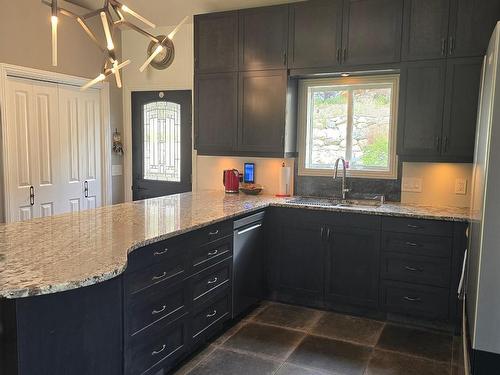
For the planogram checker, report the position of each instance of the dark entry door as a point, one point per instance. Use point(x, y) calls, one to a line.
point(161, 142)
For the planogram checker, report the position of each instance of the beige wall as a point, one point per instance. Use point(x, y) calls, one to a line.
point(25, 40)
point(438, 183)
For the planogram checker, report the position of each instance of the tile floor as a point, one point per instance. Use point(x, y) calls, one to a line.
point(289, 340)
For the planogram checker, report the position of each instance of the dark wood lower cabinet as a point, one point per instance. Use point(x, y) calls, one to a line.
point(387, 267)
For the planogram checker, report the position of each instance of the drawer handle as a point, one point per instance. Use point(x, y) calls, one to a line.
point(212, 253)
point(161, 252)
point(411, 226)
point(212, 314)
point(155, 352)
point(160, 276)
point(412, 244)
point(413, 269)
point(412, 299)
point(154, 312)
point(213, 233)
point(213, 281)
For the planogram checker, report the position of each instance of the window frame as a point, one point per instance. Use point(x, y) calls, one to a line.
point(349, 82)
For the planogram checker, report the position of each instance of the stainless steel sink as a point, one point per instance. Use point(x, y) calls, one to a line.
point(331, 202)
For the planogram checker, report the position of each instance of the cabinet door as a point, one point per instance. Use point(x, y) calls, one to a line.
point(352, 267)
point(261, 114)
point(315, 34)
point(298, 259)
point(263, 38)
point(421, 108)
point(372, 31)
point(216, 113)
point(472, 23)
point(460, 117)
point(425, 30)
point(216, 42)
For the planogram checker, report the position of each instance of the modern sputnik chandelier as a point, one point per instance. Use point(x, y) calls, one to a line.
point(112, 16)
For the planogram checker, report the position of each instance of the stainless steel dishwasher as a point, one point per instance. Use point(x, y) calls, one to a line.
point(248, 262)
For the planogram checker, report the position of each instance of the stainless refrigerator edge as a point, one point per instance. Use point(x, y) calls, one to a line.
point(482, 298)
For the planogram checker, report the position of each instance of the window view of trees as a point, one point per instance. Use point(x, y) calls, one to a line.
point(351, 121)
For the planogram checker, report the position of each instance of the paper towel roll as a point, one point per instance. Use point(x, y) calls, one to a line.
point(285, 182)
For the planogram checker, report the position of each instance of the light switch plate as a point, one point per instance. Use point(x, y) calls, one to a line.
point(116, 170)
point(412, 184)
point(461, 186)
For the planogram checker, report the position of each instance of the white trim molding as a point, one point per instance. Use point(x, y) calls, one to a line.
point(390, 80)
point(6, 71)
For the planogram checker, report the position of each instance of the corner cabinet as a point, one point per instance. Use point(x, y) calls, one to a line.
point(438, 108)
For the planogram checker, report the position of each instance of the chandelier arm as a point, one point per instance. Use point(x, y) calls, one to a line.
point(139, 30)
point(89, 33)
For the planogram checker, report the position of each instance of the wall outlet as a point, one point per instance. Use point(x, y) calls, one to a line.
point(461, 186)
point(412, 184)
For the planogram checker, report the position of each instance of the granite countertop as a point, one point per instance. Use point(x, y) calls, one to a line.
point(69, 251)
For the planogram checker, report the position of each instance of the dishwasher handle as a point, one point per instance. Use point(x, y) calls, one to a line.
point(258, 225)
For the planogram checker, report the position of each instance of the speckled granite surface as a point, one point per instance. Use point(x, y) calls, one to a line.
point(68, 251)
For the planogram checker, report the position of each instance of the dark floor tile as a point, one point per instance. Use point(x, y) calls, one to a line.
point(288, 316)
point(289, 369)
point(331, 355)
point(427, 344)
point(458, 353)
point(389, 363)
point(225, 362)
point(350, 328)
point(262, 339)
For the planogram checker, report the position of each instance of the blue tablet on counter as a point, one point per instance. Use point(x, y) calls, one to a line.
point(249, 173)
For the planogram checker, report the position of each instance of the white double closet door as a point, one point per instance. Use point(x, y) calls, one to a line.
point(54, 149)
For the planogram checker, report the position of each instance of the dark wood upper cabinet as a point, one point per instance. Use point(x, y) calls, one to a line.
point(463, 78)
point(216, 42)
point(262, 111)
point(315, 34)
point(352, 267)
point(216, 114)
point(263, 38)
point(421, 110)
point(425, 32)
point(472, 23)
point(372, 31)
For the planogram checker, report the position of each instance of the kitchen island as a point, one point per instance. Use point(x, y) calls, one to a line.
point(111, 284)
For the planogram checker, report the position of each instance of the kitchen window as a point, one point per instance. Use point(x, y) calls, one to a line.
point(350, 117)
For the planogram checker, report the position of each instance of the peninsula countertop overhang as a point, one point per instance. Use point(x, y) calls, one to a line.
point(69, 251)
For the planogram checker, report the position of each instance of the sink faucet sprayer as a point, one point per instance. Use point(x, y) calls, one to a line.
point(344, 190)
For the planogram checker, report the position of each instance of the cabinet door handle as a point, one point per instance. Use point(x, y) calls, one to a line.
point(284, 58)
point(437, 143)
point(328, 233)
point(156, 253)
point(413, 269)
point(339, 55)
point(445, 143)
point(32, 196)
point(212, 253)
point(155, 312)
point(322, 233)
point(443, 46)
point(412, 299)
point(213, 281)
point(86, 189)
point(452, 45)
point(412, 244)
point(214, 233)
point(411, 226)
point(345, 55)
point(159, 276)
point(212, 314)
point(155, 352)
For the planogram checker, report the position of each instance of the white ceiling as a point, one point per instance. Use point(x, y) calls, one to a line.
point(170, 12)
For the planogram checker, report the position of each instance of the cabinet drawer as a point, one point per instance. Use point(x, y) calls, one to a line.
point(160, 345)
point(211, 314)
point(162, 251)
point(417, 226)
point(416, 269)
point(214, 232)
point(207, 255)
point(416, 300)
point(154, 304)
point(166, 273)
point(432, 246)
point(206, 283)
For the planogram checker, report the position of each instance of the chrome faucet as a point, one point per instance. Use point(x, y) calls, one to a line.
point(344, 190)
